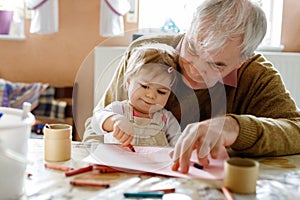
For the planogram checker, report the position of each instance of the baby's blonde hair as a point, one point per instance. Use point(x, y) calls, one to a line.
point(147, 53)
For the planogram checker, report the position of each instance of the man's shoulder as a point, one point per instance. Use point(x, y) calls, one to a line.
point(257, 69)
point(257, 63)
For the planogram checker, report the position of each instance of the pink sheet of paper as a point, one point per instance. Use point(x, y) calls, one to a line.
point(153, 159)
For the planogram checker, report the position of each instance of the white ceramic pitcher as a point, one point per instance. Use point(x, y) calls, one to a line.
point(15, 128)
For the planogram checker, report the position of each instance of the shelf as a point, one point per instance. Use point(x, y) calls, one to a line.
point(12, 37)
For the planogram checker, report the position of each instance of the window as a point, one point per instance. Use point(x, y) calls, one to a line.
point(163, 16)
point(12, 19)
point(273, 10)
point(154, 14)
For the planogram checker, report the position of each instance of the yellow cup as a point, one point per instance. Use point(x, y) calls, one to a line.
point(240, 175)
point(57, 142)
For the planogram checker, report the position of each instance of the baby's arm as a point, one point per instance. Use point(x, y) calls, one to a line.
point(122, 129)
point(111, 122)
point(100, 117)
point(108, 124)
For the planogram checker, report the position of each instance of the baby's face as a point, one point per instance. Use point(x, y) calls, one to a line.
point(148, 95)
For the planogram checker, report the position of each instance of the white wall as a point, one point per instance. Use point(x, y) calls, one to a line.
point(288, 65)
point(106, 61)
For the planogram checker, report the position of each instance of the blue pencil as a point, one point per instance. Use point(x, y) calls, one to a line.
point(138, 195)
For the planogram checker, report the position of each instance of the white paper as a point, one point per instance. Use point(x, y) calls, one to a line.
point(154, 160)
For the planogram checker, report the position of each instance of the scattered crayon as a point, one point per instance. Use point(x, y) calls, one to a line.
point(89, 183)
point(79, 171)
point(57, 167)
point(139, 195)
point(227, 194)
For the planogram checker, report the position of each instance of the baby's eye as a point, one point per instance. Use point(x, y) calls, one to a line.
point(161, 92)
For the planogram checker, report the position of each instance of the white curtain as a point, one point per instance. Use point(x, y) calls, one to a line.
point(111, 17)
point(44, 16)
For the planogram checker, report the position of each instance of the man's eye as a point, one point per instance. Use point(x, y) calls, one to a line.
point(144, 86)
point(191, 49)
point(215, 66)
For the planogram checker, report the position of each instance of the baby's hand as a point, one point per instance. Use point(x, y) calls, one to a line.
point(123, 129)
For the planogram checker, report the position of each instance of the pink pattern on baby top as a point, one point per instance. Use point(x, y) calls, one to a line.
point(136, 114)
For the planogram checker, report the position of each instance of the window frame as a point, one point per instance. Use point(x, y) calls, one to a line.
point(272, 8)
point(18, 19)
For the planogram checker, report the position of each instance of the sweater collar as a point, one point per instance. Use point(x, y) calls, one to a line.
point(230, 79)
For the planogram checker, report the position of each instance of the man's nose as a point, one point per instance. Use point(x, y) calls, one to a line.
point(196, 71)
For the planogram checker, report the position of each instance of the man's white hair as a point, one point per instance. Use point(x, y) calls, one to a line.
point(216, 21)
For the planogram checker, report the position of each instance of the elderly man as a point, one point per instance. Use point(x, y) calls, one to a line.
point(229, 96)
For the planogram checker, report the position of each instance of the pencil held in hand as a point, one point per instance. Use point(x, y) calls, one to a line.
point(131, 147)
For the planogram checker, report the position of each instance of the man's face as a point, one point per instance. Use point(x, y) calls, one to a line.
point(203, 69)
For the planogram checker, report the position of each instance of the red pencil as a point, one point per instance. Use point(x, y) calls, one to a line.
point(227, 194)
point(57, 167)
point(79, 171)
point(105, 169)
point(131, 147)
point(89, 183)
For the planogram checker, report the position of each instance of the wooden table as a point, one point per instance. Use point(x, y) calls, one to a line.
point(279, 178)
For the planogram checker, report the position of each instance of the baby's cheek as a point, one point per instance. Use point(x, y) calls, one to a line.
point(165, 100)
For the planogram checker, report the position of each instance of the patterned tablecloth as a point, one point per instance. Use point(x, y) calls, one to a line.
point(279, 178)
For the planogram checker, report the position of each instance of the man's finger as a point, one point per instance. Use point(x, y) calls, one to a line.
point(216, 150)
point(186, 152)
point(171, 154)
point(185, 160)
point(175, 166)
point(203, 149)
point(183, 150)
point(176, 154)
point(203, 161)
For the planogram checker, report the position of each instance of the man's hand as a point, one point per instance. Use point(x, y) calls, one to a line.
point(208, 137)
point(123, 129)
